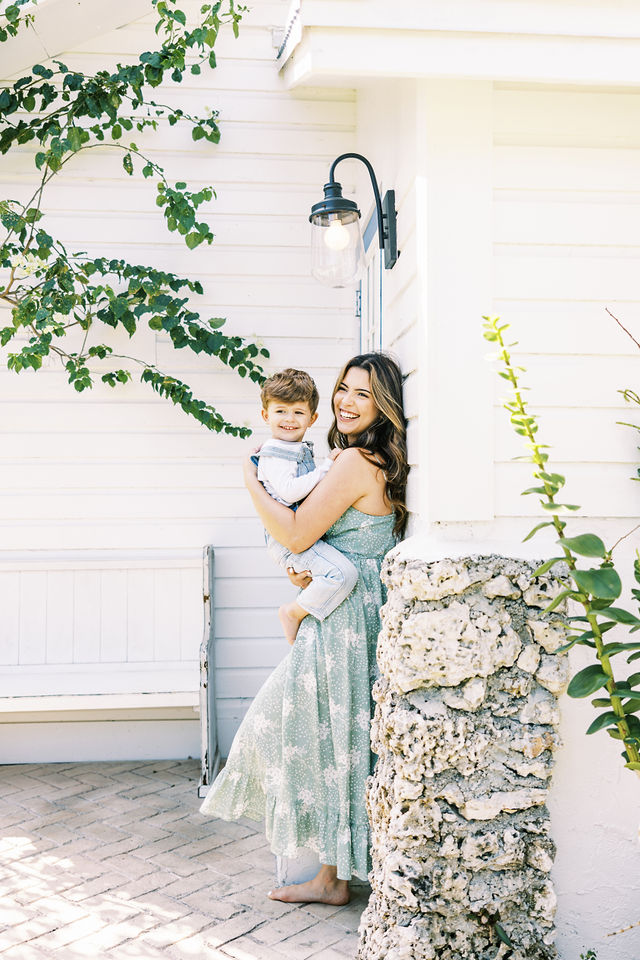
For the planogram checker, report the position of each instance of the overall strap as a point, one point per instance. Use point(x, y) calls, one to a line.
point(270, 449)
point(306, 463)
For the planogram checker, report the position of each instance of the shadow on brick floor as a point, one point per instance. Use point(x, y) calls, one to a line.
point(114, 860)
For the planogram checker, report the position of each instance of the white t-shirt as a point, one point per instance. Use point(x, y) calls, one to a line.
point(279, 475)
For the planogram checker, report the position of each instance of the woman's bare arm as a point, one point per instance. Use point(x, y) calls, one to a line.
point(348, 480)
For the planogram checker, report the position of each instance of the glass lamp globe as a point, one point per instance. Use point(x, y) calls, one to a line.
point(337, 251)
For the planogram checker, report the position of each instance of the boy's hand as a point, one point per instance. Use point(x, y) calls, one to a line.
point(300, 580)
point(249, 468)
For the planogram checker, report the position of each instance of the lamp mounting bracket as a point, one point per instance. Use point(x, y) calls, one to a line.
point(385, 210)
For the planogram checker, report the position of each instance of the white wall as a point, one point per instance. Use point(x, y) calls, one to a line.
point(566, 245)
point(525, 206)
point(108, 497)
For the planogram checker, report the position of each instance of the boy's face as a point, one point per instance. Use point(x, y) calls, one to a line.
point(288, 421)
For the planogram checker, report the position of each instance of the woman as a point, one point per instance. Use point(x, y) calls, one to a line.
point(302, 754)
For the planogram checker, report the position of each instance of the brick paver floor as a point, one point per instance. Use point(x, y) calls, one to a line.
point(113, 861)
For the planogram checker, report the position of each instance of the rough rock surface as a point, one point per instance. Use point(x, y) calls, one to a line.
point(464, 728)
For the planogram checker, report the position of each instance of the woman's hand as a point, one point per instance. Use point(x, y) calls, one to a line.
point(300, 580)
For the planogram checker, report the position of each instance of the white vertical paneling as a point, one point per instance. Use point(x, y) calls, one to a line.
point(9, 617)
point(455, 163)
point(113, 617)
point(192, 613)
point(166, 639)
point(141, 615)
point(59, 623)
point(33, 618)
point(86, 617)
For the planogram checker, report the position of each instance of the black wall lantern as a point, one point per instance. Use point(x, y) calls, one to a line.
point(337, 252)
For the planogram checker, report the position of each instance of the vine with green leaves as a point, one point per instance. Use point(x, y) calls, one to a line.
point(595, 588)
point(55, 296)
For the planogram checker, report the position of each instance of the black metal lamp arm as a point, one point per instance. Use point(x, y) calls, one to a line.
point(374, 184)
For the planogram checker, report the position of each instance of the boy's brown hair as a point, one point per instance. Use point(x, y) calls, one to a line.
point(290, 386)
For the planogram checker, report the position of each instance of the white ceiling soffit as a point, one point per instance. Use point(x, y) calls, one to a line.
point(62, 25)
point(526, 41)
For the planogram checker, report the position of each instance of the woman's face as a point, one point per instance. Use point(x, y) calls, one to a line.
point(353, 404)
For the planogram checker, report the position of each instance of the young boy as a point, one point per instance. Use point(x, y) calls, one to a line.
point(288, 472)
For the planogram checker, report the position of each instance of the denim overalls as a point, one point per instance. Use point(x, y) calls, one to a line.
point(303, 457)
point(334, 577)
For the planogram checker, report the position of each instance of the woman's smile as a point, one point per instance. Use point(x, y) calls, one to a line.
point(353, 403)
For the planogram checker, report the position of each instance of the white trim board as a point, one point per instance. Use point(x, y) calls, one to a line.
point(100, 701)
point(99, 679)
point(348, 56)
point(99, 559)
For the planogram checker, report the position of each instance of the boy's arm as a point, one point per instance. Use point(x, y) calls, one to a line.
point(345, 485)
point(281, 476)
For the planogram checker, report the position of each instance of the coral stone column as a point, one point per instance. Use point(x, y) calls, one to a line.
point(464, 728)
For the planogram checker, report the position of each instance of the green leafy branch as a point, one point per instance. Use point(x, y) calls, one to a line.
point(61, 292)
point(595, 589)
point(51, 292)
point(68, 111)
point(13, 19)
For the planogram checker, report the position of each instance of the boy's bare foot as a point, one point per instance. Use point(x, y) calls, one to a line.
point(291, 616)
point(318, 890)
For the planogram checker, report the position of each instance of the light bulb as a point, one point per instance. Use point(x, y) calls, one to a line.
point(336, 237)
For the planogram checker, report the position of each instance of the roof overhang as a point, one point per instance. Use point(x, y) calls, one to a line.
point(532, 41)
point(61, 25)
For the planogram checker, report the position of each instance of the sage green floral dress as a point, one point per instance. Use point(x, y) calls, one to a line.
point(302, 754)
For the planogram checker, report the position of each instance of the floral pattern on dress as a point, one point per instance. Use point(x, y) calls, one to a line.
point(302, 754)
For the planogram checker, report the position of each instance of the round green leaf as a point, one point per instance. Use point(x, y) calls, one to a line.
point(539, 526)
point(558, 600)
point(622, 616)
point(502, 934)
point(604, 720)
point(612, 648)
point(559, 507)
point(587, 681)
point(587, 545)
point(546, 566)
point(603, 583)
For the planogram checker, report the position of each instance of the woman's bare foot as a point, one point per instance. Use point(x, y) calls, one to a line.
point(324, 888)
point(291, 616)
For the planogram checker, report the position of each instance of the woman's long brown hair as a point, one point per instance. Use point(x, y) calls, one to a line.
point(384, 443)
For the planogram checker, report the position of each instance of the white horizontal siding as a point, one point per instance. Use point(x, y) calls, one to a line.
point(123, 474)
point(566, 245)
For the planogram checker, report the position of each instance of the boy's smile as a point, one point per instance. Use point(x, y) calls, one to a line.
point(288, 421)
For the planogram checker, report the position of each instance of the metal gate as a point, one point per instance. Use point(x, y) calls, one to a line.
point(208, 728)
